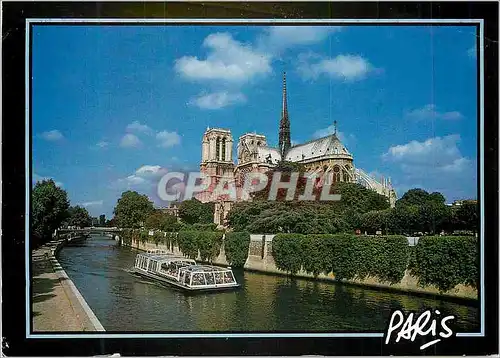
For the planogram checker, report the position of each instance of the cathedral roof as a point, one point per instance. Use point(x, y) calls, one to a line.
point(322, 147)
point(264, 152)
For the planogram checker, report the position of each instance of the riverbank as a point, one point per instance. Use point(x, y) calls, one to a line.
point(260, 259)
point(57, 305)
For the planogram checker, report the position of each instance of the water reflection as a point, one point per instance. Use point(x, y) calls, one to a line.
point(124, 302)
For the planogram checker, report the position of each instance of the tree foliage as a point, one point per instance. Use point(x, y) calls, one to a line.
point(49, 205)
point(158, 220)
point(466, 216)
point(132, 209)
point(79, 217)
point(346, 256)
point(446, 261)
point(236, 248)
point(194, 211)
point(417, 210)
point(307, 217)
point(204, 242)
point(375, 220)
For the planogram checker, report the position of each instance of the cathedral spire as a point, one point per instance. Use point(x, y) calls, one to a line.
point(284, 137)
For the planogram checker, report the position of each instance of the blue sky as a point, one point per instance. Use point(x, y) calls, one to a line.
point(116, 106)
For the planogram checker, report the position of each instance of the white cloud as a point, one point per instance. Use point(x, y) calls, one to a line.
point(150, 171)
point(168, 139)
point(472, 52)
point(134, 180)
point(138, 127)
point(345, 67)
point(102, 144)
point(430, 111)
point(435, 164)
point(435, 155)
point(36, 178)
point(217, 100)
point(278, 38)
point(53, 135)
point(144, 179)
point(130, 141)
point(228, 60)
point(93, 203)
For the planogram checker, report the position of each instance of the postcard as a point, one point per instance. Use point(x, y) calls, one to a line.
point(250, 178)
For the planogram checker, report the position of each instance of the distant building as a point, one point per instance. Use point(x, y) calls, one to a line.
point(95, 221)
point(172, 209)
point(460, 202)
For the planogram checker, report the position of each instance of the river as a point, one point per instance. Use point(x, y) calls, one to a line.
point(123, 302)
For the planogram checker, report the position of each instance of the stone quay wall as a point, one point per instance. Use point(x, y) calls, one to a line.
point(260, 259)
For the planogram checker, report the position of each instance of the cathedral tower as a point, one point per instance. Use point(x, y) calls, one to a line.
point(216, 160)
point(284, 138)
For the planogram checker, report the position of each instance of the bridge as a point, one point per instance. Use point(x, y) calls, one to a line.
point(93, 229)
point(74, 233)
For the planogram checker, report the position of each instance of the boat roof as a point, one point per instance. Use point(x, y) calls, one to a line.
point(165, 257)
point(205, 268)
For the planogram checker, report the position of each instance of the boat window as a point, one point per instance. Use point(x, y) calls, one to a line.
point(198, 279)
point(186, 278)
point(228, 278)
point(219, 277)
point(209, 277)
point(169, 268)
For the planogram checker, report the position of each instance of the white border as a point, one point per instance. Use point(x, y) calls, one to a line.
point(480, 105)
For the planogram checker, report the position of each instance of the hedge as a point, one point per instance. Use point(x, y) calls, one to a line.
point(446, 261)
point(206, 242)
point(236, 248)
point(346, 256)
point(288, 252)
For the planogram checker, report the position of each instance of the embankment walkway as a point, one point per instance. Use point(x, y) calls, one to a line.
point(57, 305)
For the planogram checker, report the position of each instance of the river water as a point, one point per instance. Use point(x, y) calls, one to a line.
point(123, 302)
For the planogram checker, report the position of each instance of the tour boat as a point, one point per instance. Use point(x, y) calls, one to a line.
point(183, 273)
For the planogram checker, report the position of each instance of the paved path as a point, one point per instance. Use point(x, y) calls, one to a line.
point(56, 303)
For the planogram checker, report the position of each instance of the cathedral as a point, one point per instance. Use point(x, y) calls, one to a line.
point(325, 156)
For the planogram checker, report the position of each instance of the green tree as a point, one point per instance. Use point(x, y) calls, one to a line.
point(352, 218)
point(356, 197)
point(375, 220)
point(433, 216)
point(414, 197)
point(49, 205)
point(132, 209)
point(102, 220)
point(425, 212)
point(161, 221)
point(194, 211)
point(404, 219)
point(79, 217)
point(467, 216)
point(111, 222)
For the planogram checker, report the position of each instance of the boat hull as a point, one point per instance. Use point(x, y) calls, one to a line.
point(166, 281)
